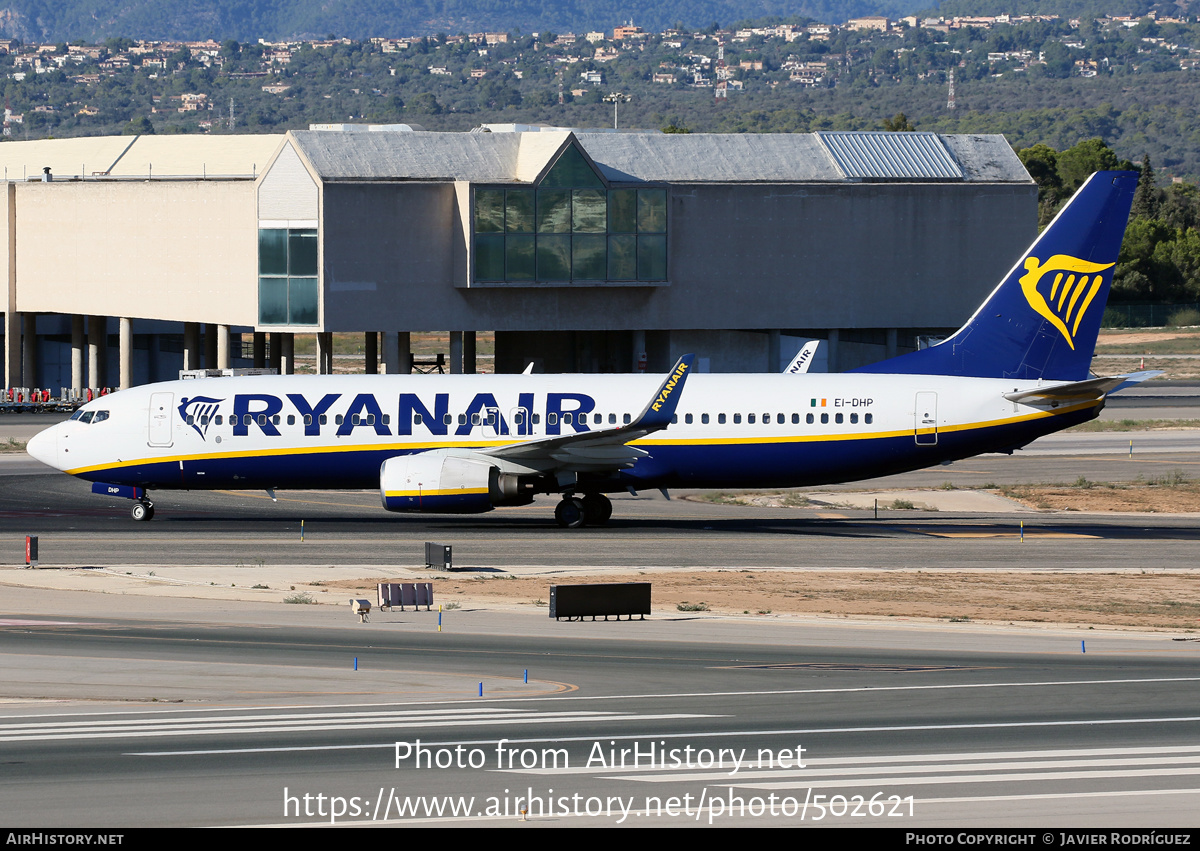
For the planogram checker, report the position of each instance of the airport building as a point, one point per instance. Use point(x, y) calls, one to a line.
point(130, 258)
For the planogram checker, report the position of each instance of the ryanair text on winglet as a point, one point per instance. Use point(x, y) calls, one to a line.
point(669, 387)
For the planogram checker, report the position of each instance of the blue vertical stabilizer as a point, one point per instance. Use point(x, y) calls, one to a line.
point(1043, 319)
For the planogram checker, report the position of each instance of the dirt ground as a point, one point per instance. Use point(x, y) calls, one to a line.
point(1182, 498)
point(1143, 337)
point(1144, 600)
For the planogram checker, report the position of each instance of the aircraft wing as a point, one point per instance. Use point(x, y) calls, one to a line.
point(1075, 391)
point(602, 449)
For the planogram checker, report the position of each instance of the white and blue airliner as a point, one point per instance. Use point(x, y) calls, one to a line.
point(1017, 370)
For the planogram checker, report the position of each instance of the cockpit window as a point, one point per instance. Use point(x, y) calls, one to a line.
point(76, 415)
point(86, 416)
point(100, 417)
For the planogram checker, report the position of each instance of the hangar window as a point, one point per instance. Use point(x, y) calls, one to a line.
point(570, 228)
point(287, 276)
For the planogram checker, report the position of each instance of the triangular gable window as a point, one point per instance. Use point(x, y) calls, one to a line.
point(571, 171)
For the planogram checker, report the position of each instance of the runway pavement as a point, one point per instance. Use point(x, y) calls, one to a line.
point(253, 715)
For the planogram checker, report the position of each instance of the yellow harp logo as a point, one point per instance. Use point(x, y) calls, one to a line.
point(1072, 284)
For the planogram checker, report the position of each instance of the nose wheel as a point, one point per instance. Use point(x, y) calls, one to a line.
point(143, 509)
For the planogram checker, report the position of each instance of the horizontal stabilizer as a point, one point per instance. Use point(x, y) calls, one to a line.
point(1076, 391)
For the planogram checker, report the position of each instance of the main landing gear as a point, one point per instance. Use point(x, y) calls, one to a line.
point(143, 509)
point(592, 509)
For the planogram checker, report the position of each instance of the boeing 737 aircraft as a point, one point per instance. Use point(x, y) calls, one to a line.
point(1017, 370)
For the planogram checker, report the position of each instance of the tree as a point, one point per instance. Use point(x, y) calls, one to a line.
point(1077, 164)
point(1041, 161)
point(898, 124)
point(138, 127)
point(1145, 198)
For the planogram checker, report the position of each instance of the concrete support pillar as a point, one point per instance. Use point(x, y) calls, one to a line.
point(773, 353)
point(126, 352)
point(260, 349)
point(287, 354)
point(210, 346)
point(391, 353)
point(29, 352)
point(892, 345)
point(12, 348)
point(97, 351)
point(397, 352)
point(12, 319)
point(468, 352)
point(371, 358)
point(405, 357)
point(834, 335)
point(222, 346)
point(325, 352)
point(191, 345)
point(77, 344)
point(639, 351)
point(456, 352)
point(275, 352)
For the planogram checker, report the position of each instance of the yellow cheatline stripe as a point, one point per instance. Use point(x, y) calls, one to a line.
point(497, 443)
point(440, 492)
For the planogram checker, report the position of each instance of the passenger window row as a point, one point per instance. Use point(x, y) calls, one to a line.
point(518, 419)
point(780, 419)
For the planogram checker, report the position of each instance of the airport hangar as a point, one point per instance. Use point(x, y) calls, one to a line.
point(584, 251)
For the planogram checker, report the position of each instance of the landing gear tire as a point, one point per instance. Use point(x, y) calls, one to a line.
point(142, 511)
point(570, 513)
point(597, 508)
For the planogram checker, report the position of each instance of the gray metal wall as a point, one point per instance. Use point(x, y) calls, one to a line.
point(749, 256)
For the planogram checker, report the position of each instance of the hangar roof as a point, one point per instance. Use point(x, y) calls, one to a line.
point(139, 156)
point(679, 158)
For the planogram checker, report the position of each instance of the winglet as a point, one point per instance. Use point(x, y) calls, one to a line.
point(662, 407)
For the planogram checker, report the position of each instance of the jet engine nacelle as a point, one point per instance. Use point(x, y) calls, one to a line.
point(449, 483)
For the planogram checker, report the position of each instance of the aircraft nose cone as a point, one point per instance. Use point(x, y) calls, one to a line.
point(44, 447)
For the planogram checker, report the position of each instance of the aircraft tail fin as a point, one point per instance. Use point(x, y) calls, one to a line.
point(1043, 319)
